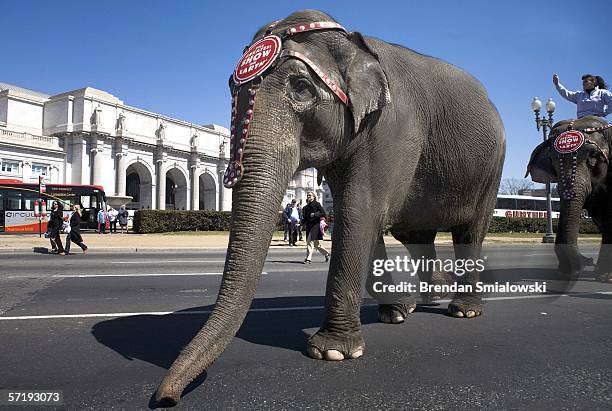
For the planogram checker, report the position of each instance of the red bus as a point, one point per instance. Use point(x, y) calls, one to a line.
point(17, 204)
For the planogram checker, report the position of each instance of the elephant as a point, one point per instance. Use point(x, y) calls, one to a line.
point(582, 176)
point(404, 141)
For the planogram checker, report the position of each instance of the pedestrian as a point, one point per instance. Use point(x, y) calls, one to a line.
point(75, 229)
point(112, 218)
point(312, 219)
point(592, 100)
point(286, 213)
point(54, 228)
point(293, 221)
point(102, 220)
point(301, 227)
point(122, 216)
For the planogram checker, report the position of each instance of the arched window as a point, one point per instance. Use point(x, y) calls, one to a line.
point(132, 187)
point(171, 189)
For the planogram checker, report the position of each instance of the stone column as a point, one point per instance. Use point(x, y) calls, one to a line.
point(195, 187)
point(161, 184)
point(220, 188)
point(121, 170)
point(98, 165)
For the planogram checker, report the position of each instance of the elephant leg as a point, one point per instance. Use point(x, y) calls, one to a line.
point(393, 308)
point(467, 242)
point(603, 270)
point(353, 239)
point(420, 244)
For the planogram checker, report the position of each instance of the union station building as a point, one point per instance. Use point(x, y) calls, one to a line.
point(89, 136)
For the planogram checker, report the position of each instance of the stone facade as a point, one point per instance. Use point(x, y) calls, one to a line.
point(89, 136)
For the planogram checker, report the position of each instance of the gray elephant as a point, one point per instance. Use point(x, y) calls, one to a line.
point(403, 139)
point(576, 156)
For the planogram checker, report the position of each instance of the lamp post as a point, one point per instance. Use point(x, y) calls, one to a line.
point(545, 124)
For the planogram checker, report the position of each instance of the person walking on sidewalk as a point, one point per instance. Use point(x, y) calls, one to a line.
point(312, 218)
point(102, 220)
point(75, 229)
point(122, 216)
point(293, 220)
point(300, 212)
point(112, 218)
point(55, 225)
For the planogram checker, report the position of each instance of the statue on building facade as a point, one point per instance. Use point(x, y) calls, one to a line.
point(96, 116)
point(161, 132)
point(121, 123)
point(194, 141)
point(222, 148)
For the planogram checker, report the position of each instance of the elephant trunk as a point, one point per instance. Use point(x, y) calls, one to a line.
point(566, 243)
point(255, 205)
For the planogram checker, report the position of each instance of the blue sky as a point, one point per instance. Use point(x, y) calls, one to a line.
point(175, 57)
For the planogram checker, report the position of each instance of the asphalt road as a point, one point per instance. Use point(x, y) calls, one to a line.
point(103, 328)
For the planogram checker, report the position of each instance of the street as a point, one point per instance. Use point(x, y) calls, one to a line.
point(104, 328)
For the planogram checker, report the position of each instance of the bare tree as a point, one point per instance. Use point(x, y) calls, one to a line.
point(514, 185)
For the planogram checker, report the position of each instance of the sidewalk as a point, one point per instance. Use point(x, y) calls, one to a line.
point(193, 241)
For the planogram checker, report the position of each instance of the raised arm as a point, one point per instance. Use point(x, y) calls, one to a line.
point(565, 93)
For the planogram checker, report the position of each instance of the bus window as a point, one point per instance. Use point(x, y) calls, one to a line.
point(28, 201)
point(522, 204)
point(540, 205)
point(506, 203)
point(13, 201)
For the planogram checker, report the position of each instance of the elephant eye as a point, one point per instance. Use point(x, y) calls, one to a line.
point(301, 89)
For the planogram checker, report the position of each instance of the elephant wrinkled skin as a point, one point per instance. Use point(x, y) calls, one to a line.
point(418, 148)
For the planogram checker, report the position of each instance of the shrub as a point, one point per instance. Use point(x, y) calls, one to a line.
point(161, 221)
point(534, 225)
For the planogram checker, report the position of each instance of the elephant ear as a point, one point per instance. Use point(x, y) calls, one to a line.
point(540, 166)
point(367, 85)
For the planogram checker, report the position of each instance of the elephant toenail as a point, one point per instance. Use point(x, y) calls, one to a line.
point(357, 354)
point(470, 314)
point(333, 355)
point(398, 319)
point(315, 353)
point(458, 314)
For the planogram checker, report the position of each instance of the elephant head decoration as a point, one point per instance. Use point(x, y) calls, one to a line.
point(404, 140)
point(577, 157)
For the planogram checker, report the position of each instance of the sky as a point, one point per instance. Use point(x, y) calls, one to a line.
point(174, 57)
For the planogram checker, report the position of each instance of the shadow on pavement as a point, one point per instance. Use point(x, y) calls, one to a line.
point(132, 336)
point(158, 339)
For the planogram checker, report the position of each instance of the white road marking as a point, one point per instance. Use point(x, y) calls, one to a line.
point(278, 309)
point(118, 275)
point(167, 261)
point(552, 253)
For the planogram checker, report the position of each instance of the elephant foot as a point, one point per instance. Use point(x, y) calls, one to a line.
point(461, 309)
point(396, 313)
point(587, 261)
point(325, 346)
point(605, 278)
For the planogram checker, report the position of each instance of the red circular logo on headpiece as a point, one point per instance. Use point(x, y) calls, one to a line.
point(257, 59)
point(569, 141)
